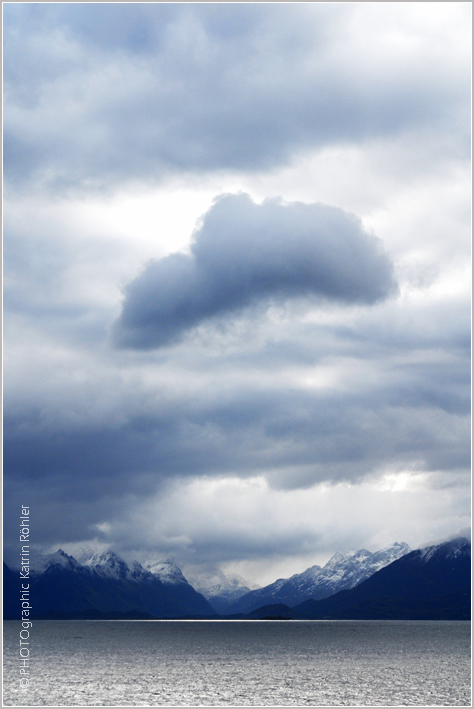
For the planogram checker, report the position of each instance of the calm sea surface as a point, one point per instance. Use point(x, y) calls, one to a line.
point(257, 663)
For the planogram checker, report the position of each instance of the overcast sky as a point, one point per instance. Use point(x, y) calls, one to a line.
point(237, 279)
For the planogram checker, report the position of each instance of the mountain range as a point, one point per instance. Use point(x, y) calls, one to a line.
point(344, 570)
point(393, 583)
point(426, 584)
point(61, 586)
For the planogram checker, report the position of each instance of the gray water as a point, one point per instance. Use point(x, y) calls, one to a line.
point(245, 663)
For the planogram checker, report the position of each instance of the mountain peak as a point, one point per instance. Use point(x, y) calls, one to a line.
point(219, 588)
point(166, 570)
point(450, 549)
point(62, 587)
point(432, 583)
point(344, 570)
point(107, 564)
point(58, 559)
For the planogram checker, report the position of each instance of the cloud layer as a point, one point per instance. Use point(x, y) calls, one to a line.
point(244, 254)
point(279, 383)
point(100, 94)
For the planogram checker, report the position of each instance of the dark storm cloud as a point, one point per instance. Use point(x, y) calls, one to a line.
point(102, 93)
point(244, 253)
point(99, 445)
point(319, 435)
point(295, 438)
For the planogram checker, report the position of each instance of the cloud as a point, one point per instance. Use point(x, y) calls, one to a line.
point(91, 435)
point(269, 397)
point(98, 95)
point(257, 522)
point(243, 254)
point(314, 404)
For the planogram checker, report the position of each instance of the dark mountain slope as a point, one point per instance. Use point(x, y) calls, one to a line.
point(63, 587)
point(431, 583)
point(344, 570)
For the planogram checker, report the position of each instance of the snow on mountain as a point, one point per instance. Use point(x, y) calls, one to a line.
point(343, 571)
point(107, 564)
point(166, 570)
point(59, 559)
point(110, 565)
point(432, 583)
point(449, 550)
point(216, 583)
point(276, 592)
point(348, 569)
point(221, 590)
point(101, 584)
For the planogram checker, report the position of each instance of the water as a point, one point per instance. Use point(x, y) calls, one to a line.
point(256, 663)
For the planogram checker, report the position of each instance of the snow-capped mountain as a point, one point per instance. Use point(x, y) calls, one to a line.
point(166, 570)
point(105, 584)
point(221, 590)
point(343, 571)
point(430, 583)
point(452, 549)
point(348, 569)
point(107, 564)
point(57, 560)
point(110, 565)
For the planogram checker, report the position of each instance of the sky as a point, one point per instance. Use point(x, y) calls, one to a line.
point(237, 271)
